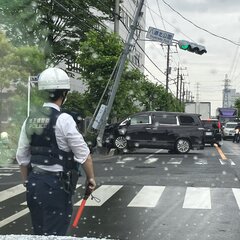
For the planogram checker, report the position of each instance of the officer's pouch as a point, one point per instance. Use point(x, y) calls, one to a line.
point(69, 180)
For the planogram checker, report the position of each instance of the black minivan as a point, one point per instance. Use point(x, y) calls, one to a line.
point(178, 132)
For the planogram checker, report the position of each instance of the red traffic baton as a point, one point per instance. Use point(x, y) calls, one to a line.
point(81, 207)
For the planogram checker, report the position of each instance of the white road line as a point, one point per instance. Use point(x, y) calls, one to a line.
point(175, 161)
point(151, 155)
point(103, 193)
point(14, 217)
point(11, 192)
point(147, 197)
point(9, 168)
point(197, 198)
point(150, 160)
point(224, 162)
point(6, 174)
point(126, 159)
point(232, 162)
point(200, 161)
point(236, 193)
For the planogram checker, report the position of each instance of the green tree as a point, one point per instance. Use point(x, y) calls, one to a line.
point(16, 64)
point(54, 26)
point(237, 105)
point(97, 59)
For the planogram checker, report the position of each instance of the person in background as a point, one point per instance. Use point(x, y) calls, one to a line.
point(50, 150)
point(236, 137)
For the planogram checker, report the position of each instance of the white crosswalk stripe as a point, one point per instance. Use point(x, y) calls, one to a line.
point(104, 192)
point(148, 196)
point(197, 198)
point(11, 192)
point(150, 160)
point(175, 161)
point(14, 217)
point(236, 193)
point(6, 174)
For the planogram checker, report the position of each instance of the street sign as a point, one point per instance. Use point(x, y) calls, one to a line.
point(98, 120)
point(160, 35)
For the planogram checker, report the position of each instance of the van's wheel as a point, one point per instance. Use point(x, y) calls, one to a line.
point(120, 142)
point(182, 146)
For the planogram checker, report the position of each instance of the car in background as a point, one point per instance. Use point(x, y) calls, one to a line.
point(228, 130)
point(212, 132)
point(178, 132)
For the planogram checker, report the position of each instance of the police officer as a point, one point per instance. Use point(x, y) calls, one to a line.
point(49, 151)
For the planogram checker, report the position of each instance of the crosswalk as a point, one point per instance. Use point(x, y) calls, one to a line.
point(9, 170)
point(147, 196)
point(175, 161)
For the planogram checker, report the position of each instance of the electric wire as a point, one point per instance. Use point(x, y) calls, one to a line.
point(143, 50)
point(104, 26)
point(188, 37)
point(203, 29)
point(152, 42)
point(159, 10)
point(84, 23)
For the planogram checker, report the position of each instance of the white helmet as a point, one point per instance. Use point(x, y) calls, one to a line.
point(53, 78)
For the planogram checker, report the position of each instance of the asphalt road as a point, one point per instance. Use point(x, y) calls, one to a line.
point(148, 194)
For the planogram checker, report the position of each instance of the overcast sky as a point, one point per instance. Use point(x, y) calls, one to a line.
point(220, 17)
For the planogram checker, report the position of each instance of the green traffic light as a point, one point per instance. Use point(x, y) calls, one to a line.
point(184, 47)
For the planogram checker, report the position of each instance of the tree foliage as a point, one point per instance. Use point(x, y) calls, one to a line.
point(97, 58)
point(54, 26)
point(16, 64)
point(237, 105)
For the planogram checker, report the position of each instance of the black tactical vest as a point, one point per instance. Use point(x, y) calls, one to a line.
point(40, 128)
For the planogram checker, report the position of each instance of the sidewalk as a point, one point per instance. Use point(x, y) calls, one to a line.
point(103, 153)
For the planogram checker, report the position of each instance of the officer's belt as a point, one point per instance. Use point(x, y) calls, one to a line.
point(38, 170)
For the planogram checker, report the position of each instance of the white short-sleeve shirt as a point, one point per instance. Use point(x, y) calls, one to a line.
point(67, 136)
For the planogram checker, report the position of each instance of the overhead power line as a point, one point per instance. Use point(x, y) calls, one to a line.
point(203, 29)
point(84, 23)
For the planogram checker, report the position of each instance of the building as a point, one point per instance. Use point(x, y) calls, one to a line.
point(127, 9)
point(229, 97)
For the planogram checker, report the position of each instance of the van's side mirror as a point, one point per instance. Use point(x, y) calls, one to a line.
point(128, 122)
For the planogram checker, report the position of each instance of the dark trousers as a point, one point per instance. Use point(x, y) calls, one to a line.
point(236, 138)
point(50, 206)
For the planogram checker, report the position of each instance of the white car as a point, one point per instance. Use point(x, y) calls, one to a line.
point(229, 130)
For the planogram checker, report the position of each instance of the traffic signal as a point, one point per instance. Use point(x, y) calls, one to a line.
point(191, 47)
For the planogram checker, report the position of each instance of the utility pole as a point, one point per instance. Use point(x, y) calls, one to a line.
point(167, 72)
point(180, 95)
point(119, 73)
point(116, 17)
point(177, 82)
point(183, 99)
point(226, 102)
point(179, 85)
point(197, 99)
